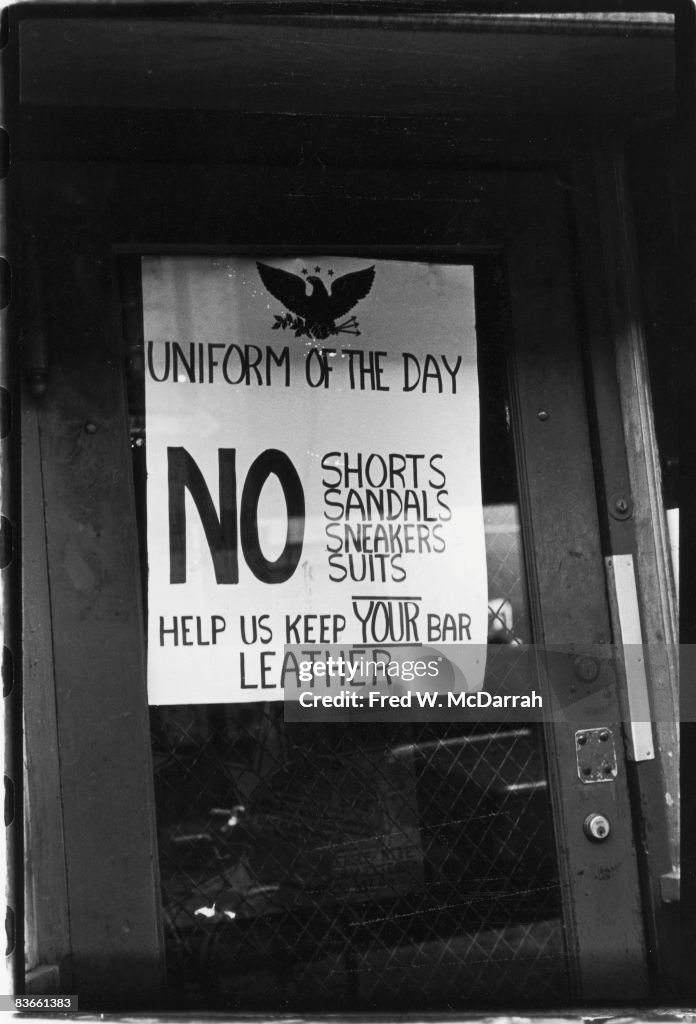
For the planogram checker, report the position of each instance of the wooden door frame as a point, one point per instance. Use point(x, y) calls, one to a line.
point(628, 463)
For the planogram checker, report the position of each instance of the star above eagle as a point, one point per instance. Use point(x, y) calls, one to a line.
point(317, 313)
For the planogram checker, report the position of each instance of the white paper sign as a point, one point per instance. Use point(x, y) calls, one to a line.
point(313, 465)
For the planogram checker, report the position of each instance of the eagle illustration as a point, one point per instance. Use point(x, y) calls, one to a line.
point(317, 313)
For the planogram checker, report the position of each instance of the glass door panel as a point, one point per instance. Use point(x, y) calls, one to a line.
point(367, 865)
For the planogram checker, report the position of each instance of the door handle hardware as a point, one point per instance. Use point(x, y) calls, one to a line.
point(586, 669)
point(596, 827)
point(596, 755)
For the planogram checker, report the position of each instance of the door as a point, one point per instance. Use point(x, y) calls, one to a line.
point(414, 863)
point(487, 890)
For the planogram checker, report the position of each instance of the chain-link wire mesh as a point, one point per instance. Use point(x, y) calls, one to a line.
point(365, 866)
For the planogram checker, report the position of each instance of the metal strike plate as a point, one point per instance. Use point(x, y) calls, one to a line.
point(596, 755)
